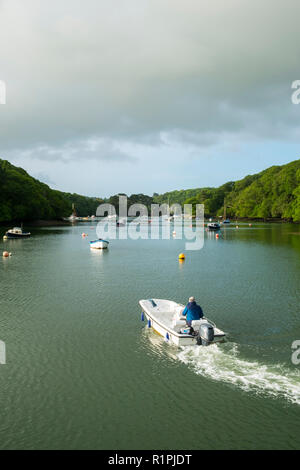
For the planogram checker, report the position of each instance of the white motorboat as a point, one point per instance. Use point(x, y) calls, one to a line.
point(99, 244)
point(165, 317)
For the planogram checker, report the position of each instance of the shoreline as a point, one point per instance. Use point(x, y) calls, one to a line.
point(35, 223)
point(55, 222)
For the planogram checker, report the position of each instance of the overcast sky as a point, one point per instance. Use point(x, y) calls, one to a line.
point(107, 96)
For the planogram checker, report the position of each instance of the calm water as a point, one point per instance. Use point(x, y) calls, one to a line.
point(83, 372)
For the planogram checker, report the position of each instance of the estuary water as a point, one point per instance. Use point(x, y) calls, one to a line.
point(83, 372)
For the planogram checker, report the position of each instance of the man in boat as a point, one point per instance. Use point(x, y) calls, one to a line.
point(192, 311)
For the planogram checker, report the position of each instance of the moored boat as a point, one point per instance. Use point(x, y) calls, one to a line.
point(99, 244)
point(73, 217)
point(213, 226)
point(165, 317)
point(16, 232)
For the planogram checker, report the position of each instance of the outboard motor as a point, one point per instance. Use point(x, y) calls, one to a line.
point(206, 334)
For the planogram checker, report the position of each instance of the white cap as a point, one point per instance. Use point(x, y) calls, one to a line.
point(192, 299)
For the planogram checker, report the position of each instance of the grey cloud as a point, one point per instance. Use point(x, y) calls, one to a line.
point(141, 70)
point(90, 149)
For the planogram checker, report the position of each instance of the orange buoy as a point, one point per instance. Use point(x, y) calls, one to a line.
point(5, 254)
point(217, 235)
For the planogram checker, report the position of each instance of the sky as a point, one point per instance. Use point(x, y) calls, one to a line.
point(136, 96)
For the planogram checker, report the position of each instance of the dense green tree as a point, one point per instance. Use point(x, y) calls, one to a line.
point(24, 198)
point(273, 193)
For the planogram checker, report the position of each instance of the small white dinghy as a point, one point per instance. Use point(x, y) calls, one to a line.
point(165, 317)
point(99, 244)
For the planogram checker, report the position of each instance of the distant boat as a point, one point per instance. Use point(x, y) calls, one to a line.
point(213, 226)
point(73, 217)
point(99, 244)
point(225, 220)
point(17, 232)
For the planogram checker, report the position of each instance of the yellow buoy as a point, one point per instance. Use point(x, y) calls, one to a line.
point(181, 256)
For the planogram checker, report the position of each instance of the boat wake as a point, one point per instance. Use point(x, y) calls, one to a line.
point(222, 363)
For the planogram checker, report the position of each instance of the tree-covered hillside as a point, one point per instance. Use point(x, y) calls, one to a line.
point(273, 193)
point(84, 206)
point(24, 198)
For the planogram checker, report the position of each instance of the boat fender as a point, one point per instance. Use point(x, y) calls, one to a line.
point(149, 323)
point(167, 337)
point(143, 316)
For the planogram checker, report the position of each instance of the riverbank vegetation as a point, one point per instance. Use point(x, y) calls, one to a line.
point(24, 198)
point(271, 194)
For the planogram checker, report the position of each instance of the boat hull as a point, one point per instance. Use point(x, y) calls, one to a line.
point(99, 245)
point(16, 235)
point(173, 338)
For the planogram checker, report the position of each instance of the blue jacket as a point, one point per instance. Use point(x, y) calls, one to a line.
point(192, 311)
